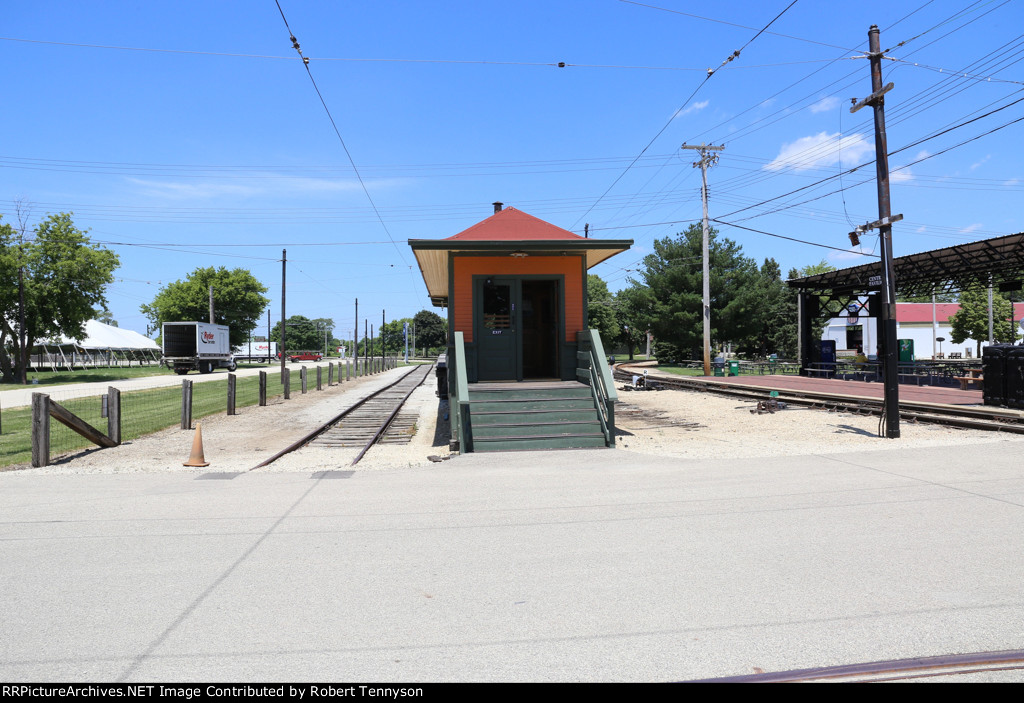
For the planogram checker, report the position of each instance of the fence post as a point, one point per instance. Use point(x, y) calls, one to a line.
point(348, 372)
point(231, 394)
point(302, 378)
point(186, 404)
point(40, 429)
point(114, 414)
point(287, 381)
point(263, 388)
point(330, 374)
point(319, 377)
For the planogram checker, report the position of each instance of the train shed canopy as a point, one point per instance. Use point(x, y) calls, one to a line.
point(508, 231)
point(998, 262)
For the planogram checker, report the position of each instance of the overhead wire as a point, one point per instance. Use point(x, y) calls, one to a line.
point(351, 59)
point(366, 191)
point(675, 114)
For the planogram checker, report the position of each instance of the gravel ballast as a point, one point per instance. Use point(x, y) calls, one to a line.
point(683, 424)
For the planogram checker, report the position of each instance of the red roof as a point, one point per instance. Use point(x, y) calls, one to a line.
point(513, 225)
point(922, 312)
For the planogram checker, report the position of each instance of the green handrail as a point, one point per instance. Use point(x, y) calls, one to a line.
point(460, 394)
point(596, 371)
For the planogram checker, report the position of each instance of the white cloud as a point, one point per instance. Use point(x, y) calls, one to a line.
point(970, 228)
point(825, 104)
point(847, 255)
point(921, 229)
point(902, 176)
point(976, 165)
point(822, 149)
point(254, 186)
point(1011, 182)
point(695, 107)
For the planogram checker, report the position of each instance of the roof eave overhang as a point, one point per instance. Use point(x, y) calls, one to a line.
point(432, 255)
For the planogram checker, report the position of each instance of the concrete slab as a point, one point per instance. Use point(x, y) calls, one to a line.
point(559, 566)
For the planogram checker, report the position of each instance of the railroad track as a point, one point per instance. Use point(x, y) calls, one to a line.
point(378, 418)
point(991, 419)
point(893, 670)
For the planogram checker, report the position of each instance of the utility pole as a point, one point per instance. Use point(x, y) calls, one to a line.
point(22, 214)
point(706, 159)
point(355, 336)
point(284, 265)
point(382, 312)
point(211, 303)
point(991, 326)
point(887, 318)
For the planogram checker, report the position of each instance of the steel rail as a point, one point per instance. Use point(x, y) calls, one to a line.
point(892, 670)
point(338, 418)
point(391, 417)
point(967, 418)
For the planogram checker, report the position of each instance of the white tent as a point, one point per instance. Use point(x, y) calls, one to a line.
point(101, 336)
point(103, 345)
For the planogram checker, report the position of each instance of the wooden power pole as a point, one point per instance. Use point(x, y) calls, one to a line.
point(706, 159)
point(887, 318)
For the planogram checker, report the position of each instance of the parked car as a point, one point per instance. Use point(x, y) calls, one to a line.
point(305, 356)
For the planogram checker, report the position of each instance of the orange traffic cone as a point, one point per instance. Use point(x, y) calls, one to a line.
point(197, 458)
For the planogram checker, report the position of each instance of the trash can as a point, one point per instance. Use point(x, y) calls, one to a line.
point(442, 376)
point(993, 370)
point(734, 368)
point(719, 364)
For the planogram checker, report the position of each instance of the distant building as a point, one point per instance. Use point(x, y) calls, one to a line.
point(916, 321)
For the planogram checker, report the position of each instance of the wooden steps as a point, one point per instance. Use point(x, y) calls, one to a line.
point(518, 416)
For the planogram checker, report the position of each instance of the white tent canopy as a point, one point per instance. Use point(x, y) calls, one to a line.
point(101, 336)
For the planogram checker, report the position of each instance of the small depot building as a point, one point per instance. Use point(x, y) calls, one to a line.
point(516, 287)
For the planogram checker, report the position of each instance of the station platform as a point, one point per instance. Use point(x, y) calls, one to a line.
point(847, 389)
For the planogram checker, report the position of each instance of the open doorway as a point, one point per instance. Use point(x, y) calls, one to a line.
point(540, 328)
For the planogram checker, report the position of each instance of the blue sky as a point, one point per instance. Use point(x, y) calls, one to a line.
point(189, 134)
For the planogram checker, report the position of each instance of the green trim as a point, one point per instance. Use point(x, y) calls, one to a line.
point(561, 350)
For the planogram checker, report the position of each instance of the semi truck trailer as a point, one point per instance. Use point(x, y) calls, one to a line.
point(196, 345)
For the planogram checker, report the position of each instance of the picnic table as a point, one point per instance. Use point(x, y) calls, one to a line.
point(973, 376)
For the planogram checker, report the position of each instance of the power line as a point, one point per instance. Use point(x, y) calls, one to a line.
point(672, 118)
point(733, 24)
point(346, 59)
point(896, 151)
point(305, 63)
point(792, 239)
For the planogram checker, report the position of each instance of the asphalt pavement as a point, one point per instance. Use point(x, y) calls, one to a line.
point(595, 565)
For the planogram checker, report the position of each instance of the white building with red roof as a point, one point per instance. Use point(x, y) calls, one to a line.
point(923, 323)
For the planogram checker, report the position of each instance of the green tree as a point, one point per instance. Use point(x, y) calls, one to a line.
point(106, 318)
point(971, 320)
point(431, 330)
point(304, 334)
point(673, 273)
point(392, 336)
point(65, 277)
point(600, 309)
point(773, 327)
point(634, 311)
point(238, 301)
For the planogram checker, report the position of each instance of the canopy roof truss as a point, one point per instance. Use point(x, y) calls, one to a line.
point(970, 266)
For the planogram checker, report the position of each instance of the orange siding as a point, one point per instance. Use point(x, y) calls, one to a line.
point(468, 266)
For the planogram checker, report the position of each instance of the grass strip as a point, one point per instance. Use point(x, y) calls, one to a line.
point(142, 412)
